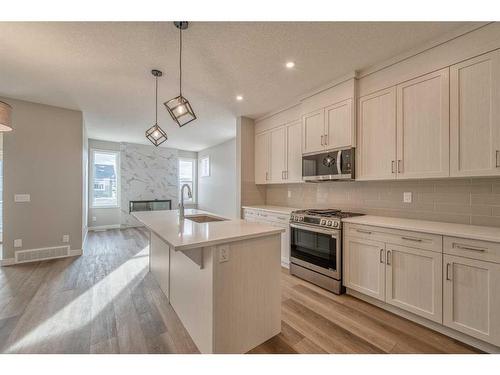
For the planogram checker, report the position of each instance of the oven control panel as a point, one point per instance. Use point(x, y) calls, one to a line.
point(317, 221)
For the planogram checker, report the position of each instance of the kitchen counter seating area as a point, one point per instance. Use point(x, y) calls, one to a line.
point(221, 276)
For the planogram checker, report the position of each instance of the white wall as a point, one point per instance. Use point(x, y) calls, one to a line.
point(217, 193)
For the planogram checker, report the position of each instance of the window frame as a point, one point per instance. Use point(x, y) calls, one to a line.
point(93, 151)
point(207, 157)
point(194, 163)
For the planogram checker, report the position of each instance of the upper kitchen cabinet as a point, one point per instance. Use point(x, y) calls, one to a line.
point(262, 160)
point(293, 171)
point(423, 126)
point(328, 120)
point(474, 116)
point(277, 154)
point(376, 136)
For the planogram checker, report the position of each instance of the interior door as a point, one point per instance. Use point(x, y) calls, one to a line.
point(313, 125)
point(413, 281)
point(376, 151)
point(339, 125)
point(471, 299)
point(475, 116)
point(278, 153)
point(364, 267)
point(262, 157)
point(294, 152)
point(423, 126)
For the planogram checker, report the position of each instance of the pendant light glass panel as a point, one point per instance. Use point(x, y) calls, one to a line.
point(155, 134)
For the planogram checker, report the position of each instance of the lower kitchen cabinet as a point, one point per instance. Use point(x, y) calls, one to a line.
point(413, 281)
point(471, 297)
point(364, 267)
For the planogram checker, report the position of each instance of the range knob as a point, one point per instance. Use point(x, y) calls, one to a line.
point(323, 222)
point(329, 223)
point(335, 224)
point(301, 218)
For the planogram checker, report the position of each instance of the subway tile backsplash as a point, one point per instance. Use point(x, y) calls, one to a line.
point(468, 201)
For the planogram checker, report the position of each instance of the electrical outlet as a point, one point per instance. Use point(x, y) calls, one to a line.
point(65, 238)
point(94, 218)
point(223, 253)
point(18, 198)
point(18, 243)
point(407, 197)
point(289, 193)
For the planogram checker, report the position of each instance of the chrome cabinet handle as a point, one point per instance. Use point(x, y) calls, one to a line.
point(326, 139)
point(392, 166)
point(458, 246)
point(400, 166)
point(412, 239)
point(448, 269)
point(322, 144)
point(497, 154)
point(282, 175)
point(381, 255)
point(363, 231)
point(389, 258)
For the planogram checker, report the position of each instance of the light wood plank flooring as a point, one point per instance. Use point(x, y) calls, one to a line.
point(106, 302)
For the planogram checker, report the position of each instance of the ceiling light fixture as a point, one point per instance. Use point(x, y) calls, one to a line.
point(239, 98)
point(290, 64)
point(156, 134)
point(5, 117)
point(179, 108)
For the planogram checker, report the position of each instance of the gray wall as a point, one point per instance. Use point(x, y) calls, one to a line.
point(217, 193)
point(43, 158)
point(468, 201)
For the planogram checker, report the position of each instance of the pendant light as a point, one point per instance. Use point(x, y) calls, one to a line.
point(156, 134)
point(179, 107)
point(5, 117)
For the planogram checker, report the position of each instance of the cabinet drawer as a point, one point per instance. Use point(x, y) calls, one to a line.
point(424, 241)
point(474, 249)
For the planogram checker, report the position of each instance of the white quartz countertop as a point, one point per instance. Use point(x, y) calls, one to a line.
point(187, 234)
point(278, 209)
point(475, 232)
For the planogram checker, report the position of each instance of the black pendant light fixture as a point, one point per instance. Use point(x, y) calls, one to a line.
point(156, 134)
point(179, 108)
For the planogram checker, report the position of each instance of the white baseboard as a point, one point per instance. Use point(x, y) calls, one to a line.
point(105, 227)
point(7, 262)
point(285, 263)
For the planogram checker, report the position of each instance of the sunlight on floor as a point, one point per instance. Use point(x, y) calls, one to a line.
point(99, 296)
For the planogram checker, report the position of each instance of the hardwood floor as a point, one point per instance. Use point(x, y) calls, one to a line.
point(106, 302)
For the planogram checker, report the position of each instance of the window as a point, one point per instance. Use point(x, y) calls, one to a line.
point(105, 179)
point(205, 166)
point(187, 175)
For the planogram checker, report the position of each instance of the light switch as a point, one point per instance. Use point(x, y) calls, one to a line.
point(407, 197)
point(18, 198)
point(223, 253)
point(18, 243)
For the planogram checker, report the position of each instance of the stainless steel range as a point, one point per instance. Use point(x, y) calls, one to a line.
point(316, 247)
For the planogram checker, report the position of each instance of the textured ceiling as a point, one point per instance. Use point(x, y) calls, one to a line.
point(103, 69)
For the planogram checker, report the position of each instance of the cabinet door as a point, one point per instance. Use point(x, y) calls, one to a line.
point(414, 281)
point(339, 125)
point(364, 267)
point(285, 247)
point(471, 299)
point(313, 125)
point(262, 158)
point(475, 116)
point(278, 154)
point(423, 126)
point(294, 153)
point(376, 136)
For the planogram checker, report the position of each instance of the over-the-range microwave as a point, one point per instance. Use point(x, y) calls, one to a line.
point(328, 166)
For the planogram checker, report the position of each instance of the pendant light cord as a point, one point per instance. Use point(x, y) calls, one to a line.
point(180, 61)
point(156, 100)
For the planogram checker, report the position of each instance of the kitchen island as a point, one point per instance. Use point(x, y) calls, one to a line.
point(221, 276)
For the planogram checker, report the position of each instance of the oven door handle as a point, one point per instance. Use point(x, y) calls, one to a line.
point(332, 232)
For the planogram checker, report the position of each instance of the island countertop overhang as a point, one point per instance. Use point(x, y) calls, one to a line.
point(187, 234)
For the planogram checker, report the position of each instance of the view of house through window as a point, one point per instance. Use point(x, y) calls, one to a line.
point(104, 187)
point(187, 175)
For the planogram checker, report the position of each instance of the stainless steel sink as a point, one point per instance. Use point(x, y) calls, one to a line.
point(203, 218)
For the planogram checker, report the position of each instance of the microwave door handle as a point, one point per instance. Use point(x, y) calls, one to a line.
point(339, 162)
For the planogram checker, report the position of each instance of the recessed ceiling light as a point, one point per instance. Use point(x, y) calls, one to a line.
point(239, 98)
point(290, 64)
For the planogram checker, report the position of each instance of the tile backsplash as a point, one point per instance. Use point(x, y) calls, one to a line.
point(469, 201)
